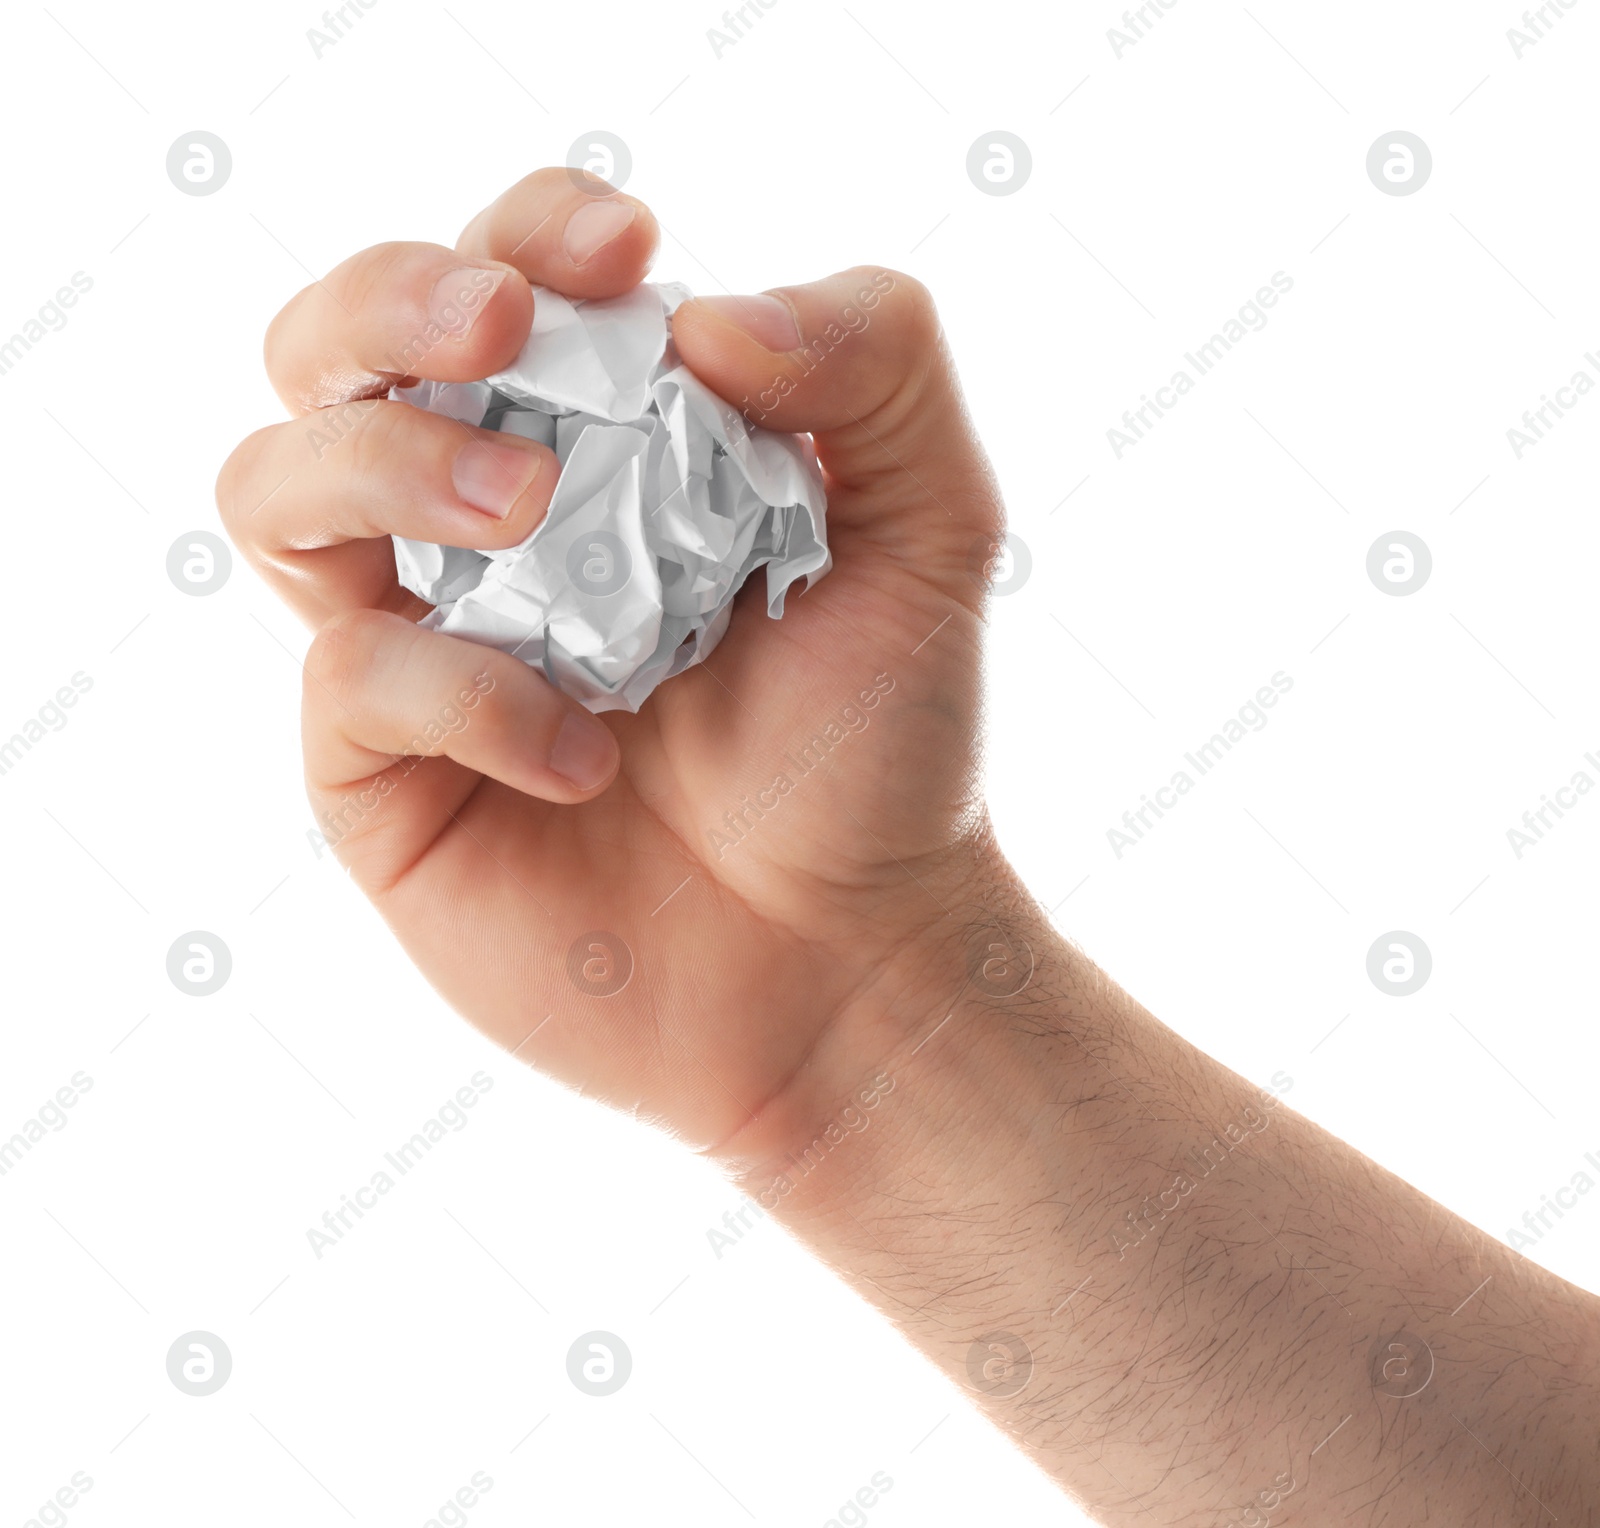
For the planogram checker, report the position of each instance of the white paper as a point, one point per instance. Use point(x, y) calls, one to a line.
point(667, 501)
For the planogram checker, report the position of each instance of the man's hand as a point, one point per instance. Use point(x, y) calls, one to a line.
point(767, 914)
point(768, 842)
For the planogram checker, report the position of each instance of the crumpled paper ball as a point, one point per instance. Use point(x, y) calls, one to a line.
point(667, 501)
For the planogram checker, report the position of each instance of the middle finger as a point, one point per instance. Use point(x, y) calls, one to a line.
point(312, 502)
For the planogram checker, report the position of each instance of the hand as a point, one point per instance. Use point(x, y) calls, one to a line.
point(1186, 1280)
point(777, 836)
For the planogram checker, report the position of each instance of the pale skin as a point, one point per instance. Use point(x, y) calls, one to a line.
point(1187, 1303)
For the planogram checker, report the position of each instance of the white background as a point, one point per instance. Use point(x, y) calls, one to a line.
point(1167, 186)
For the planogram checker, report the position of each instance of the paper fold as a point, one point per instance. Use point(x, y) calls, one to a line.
point(667, 502)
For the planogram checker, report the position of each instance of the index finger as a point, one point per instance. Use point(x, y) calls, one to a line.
point(407, 309)
point(567, 230)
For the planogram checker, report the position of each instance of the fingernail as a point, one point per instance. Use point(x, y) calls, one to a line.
point(492, 475)
point(584, 751)
point(593, 226)
point(767, 320)
point(458, 298)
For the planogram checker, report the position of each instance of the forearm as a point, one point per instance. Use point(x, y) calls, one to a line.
point(1209, 1310)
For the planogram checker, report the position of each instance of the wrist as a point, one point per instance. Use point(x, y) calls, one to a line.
point(928, 1051)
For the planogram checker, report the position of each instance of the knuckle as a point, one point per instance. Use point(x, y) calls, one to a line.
point(294, 348)
point(494, 715)
point(373, 276)
point(547, 178)
point(277, 349)
point(236, 476)
point(915, 312)
point(910, 353)
point(341, 653)
point(372, 432)
point(541, 197)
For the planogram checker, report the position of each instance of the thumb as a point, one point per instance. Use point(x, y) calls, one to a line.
point(860, 361)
